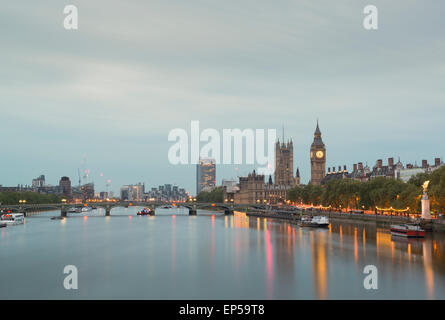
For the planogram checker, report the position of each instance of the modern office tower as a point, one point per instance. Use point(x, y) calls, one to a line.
point(205, 175)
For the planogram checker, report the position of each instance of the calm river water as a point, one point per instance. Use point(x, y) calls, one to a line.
point(212, 256)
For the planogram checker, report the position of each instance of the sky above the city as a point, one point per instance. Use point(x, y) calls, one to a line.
point(104, 97)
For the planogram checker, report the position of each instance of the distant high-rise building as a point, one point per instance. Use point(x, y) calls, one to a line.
point(205, 175)
point(124, 195)
point(133, 192)
point(38, 182)
point(166, 192)
point(65, 186)
point(87, 191)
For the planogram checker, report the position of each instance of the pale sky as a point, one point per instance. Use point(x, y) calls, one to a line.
point(104, 97)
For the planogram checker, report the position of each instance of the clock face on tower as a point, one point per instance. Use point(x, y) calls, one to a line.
point(319, 154)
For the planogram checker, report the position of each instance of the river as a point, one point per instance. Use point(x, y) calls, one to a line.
point(211, 256)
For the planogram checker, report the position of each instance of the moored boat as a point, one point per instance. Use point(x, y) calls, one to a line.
point(145, 212)
point(408, 231)
point(304, 221)
point(13, 218)
point(315, 222)
point(3, 225)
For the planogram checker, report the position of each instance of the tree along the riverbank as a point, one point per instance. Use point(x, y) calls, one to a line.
point(216, 195)
point(379, 192)
point(12, 198)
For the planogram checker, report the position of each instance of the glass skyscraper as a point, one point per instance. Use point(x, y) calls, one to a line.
point(205, 175)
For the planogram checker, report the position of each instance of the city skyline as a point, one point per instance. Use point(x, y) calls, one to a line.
point(244, 172)
point(104, 89)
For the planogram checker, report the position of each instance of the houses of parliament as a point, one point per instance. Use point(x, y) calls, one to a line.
point(255, 189)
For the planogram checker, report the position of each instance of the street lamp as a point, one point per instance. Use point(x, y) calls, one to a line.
point(21, 202)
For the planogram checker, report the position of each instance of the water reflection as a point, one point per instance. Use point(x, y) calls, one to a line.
point(213, 242)
point(213, 256)
point(319, 263)
point(429, 273)
point(370, 244)
point(269, 264)
point(174, 244)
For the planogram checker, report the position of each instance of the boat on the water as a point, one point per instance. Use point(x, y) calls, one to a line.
point(57, 218)
point(408, 231)
point(74, 210)
point(305, 220)
point(13, 218)
point(145, 212)
point(314, 222)
point(3, 225)
point(86, 209)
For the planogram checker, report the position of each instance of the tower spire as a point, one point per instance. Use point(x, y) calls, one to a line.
point(283, 132)
point(317, 130)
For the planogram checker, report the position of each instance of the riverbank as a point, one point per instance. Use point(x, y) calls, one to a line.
point(30, 210)
point(434, 225)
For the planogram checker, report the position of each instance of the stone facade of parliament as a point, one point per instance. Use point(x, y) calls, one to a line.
point(255, 189)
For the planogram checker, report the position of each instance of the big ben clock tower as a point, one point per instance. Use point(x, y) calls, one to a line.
point(318, 158)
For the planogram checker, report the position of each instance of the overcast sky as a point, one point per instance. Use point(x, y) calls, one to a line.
point(104, 97)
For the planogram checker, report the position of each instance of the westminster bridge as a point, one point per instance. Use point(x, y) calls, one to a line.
point(228, 208)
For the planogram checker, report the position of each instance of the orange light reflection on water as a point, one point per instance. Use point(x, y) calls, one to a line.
point(213, 241)
point(355, 247)
point(319, 264)
point(269, 264)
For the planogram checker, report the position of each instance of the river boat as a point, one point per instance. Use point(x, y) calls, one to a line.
point(145, 212)
point(408, 231)
point(305, 220)
point(314, 222)
point(13, 218)
point(3, 225)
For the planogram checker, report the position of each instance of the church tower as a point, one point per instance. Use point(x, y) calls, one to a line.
point(318, 158)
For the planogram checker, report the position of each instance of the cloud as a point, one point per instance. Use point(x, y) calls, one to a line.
point(135, 70)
